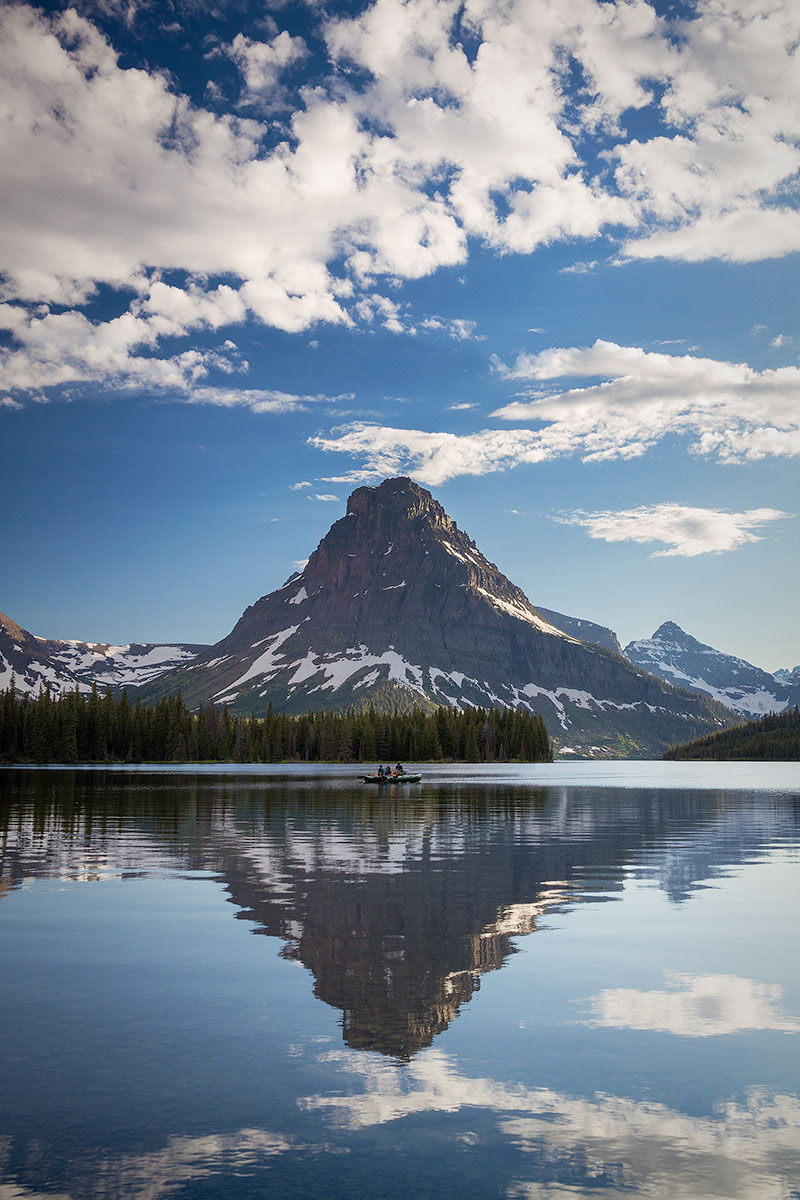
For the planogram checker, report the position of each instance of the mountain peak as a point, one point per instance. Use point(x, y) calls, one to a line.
point(400, 493)
point(14, 631)
point(669, 630)
point(676, 657)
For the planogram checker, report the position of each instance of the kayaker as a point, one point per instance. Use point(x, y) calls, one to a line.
point(399, 769)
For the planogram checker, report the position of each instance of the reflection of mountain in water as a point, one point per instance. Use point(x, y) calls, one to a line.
point(399, 907)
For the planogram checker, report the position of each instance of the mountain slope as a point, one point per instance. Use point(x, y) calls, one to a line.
point(675, 656)
point(397, 606)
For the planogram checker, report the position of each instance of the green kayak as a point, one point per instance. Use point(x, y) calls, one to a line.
point(404, 778)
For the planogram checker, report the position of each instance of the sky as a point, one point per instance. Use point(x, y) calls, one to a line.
point(541, 257)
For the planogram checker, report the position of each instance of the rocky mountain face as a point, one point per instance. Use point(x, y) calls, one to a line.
point(677, 657)
point(398, 607)
point(788, 674)
point(35, 661)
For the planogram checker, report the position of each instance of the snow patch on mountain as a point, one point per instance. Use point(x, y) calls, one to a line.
point(266, 663)
point(31, 676)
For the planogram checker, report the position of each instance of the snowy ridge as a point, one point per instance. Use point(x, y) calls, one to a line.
point(131, 665)
point(523, 613)
point(36, 662)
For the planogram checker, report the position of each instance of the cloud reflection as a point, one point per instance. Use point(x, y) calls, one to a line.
point(696, 1006)
point(183, 1160)
point(744, 1150)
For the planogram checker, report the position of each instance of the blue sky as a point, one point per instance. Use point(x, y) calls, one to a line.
point(541, 257)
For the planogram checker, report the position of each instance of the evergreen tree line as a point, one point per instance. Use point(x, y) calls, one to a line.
point(775, 738)
point(77, 728)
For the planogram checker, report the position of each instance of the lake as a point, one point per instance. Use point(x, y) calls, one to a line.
point(558, 981)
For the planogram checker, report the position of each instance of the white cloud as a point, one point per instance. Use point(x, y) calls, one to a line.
point(687, 532)
point(695, 1006)
point(579, 268)
point(395, 174)
point(727, 410)
point(430, 457)
point(461, 406)
point(303, 483)
point(263, 63)
point(328, 497)
point(455, 327)
point(258, 400)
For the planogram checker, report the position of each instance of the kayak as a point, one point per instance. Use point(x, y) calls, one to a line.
point(391, 778)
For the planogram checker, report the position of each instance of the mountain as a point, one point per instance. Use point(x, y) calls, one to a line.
point(675, 656)
point(35, 661)
point(397, 607)
point(788, 674)
point(585, 631)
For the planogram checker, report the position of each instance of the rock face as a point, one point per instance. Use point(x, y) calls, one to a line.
point(675, 656)
point(788, 674)
point(398, 607)
point(35, 662)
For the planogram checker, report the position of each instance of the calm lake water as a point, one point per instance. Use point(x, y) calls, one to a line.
point(557, 981)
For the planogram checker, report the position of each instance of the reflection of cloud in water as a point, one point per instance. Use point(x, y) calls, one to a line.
point(707, 1006)
point(747, 1151)
point(10, 1191)
point(183, 1160)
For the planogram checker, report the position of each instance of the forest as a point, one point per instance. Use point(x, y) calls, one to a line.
point(111, 729)
point(775, 738)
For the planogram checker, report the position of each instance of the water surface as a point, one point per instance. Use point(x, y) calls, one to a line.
point(565, 980)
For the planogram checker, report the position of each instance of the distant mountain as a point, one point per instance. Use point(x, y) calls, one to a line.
point(585, 631)
point(677, 657)
point(397, 607)
point(35, 661)
point(129, 666)
point(788, 674)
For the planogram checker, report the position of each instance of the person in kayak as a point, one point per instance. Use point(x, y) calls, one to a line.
point(399, 770)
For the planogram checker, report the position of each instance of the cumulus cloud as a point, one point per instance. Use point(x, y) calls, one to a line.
point(262, 64)
point(409, 148)
point(686, 532)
